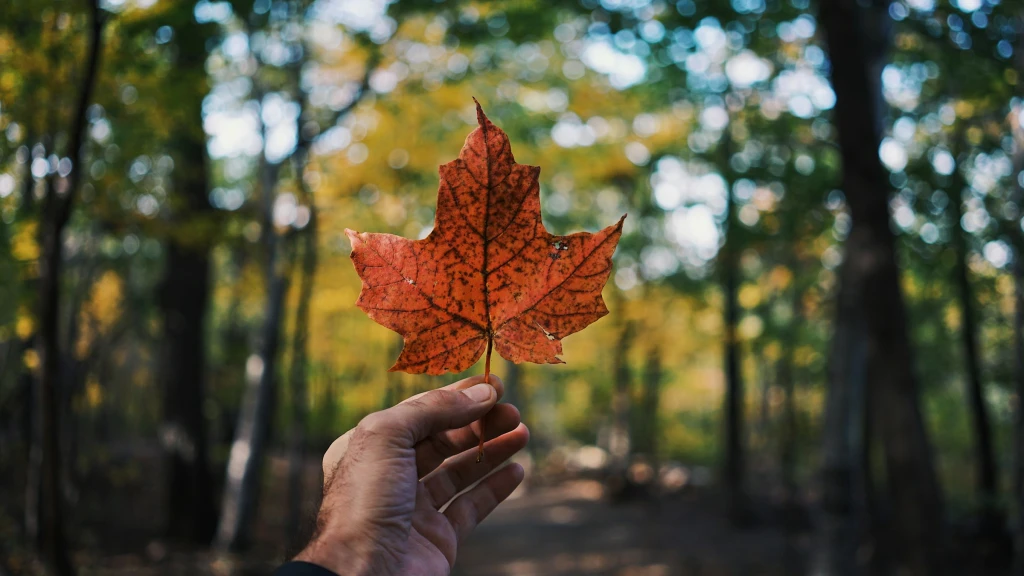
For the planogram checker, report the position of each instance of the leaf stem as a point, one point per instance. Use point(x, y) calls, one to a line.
point(487, 379)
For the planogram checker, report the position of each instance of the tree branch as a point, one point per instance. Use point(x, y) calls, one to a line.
point(62, 205)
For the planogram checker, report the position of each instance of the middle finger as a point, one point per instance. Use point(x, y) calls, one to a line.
point(430, 453)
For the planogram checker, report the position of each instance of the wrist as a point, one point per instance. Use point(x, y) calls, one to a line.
point(339, 555)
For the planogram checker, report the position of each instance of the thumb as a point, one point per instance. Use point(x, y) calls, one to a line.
point(436, 411)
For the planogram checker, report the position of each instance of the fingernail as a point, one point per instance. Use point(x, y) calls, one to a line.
point(479, 393)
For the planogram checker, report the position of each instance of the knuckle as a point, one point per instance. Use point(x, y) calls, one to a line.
point(335, 453)
point(439, 398)
point(419, 404)
point(373, 424)
point(384, 427)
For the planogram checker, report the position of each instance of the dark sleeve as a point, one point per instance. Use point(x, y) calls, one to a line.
point(302, 569)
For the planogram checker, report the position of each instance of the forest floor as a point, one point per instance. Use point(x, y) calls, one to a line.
point(571, 528)
point(562, 527)
point(554, 530)
point(554, 525)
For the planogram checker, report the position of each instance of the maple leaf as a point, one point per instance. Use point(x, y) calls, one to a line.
point(489, 272)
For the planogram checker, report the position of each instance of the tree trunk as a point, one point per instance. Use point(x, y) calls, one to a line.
point(297, 434)
point(788, 436)
point(764, 416)
point(34, 460)
point(56, 212)
point(70, 375)
point(513, 385)
point(620, 442)
point(252, 431)
point(986, 473)
point(842, 502)
point(734, 459)
point(1018, 477)
point(184, 301)
point(857, 39)
point(620, 439)
point(648, 437)
point(1018, 341)
point(1018, 326)
point(26, 379)
point(787, 441)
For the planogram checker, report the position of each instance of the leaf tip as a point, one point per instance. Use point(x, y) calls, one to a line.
point(480, 116)
point(616, 229)
point(399, 366)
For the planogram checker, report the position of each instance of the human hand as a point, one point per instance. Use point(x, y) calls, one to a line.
point(387, 480)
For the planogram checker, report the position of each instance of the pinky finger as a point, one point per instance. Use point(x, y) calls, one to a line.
point(468, 510)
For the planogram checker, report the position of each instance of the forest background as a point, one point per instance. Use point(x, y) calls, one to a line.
point(817, 309)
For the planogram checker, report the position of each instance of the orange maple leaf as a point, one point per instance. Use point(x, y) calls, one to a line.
point(488, 273)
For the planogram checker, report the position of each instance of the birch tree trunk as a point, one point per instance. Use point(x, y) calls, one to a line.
point(243, 480)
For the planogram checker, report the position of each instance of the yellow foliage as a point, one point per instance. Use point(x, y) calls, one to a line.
point(24, 325)
point(577, 408)
point(911, 286)
point(749, 296)
point(24, 243)
point(93, 392)
point(907, 41)
point(750, 327)
point(100, 311)
point(952, 317)
point(709, 321)
point(7, 82)
point(31, 359)
point(974, 135)
point(699, 390)
point(105, 302)
point(964, 109)
point(780, 277)
point(678, 438)
point(805, 355)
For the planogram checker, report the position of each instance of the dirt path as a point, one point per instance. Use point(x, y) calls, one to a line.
point(569, 529)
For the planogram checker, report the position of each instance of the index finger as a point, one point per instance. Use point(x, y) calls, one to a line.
point(494, 381)
point(339, 447)
point(407, 423)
